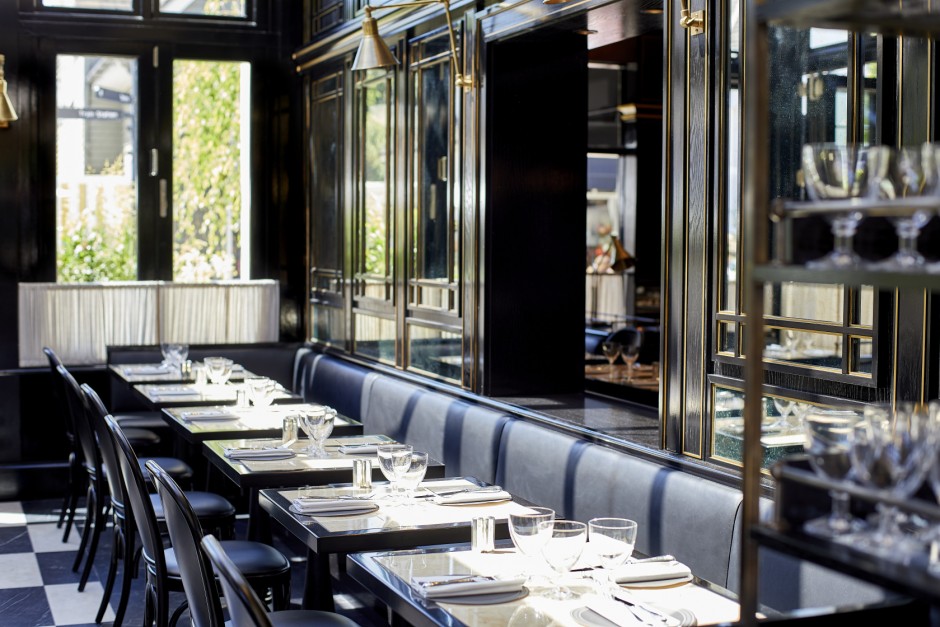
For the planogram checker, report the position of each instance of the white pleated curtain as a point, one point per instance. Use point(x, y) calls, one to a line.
point(79, 321)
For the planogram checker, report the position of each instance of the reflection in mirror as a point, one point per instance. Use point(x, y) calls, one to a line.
point(860, 355)
point(728, 293)
point(434, 351)
point(816, 350)
point(375, 338)
point(781, 426)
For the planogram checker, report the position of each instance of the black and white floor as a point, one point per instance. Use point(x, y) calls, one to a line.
point(39, 589)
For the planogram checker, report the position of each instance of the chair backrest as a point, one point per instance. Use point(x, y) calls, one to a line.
point(58, 394)
point(75, 400)
point(244, 607)
point(141, 509)
point(185, 534)
point(96, 412)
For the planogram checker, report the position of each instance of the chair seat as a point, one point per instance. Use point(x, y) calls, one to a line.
point(176, 468)
point(309, 618)
point(204, 503)
point(141, 437)
point(140, 420)
point(254, 559)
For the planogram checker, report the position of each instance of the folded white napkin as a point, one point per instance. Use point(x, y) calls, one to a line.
point(174, 391)
point(464, 585)
point(651, 571)
point(359, 449)
point(308, 505)
point(473, 496)
point(196, 415)
point(259, 453)
point(146, 369)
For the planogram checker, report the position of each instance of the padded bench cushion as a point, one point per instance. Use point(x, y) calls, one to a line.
point(330, 381)
point(464, 436)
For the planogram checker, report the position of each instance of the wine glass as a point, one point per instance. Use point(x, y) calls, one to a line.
point(530, 530)
point(611, 352)
point(784, 408)
point(894, 174)
point(218, 369)
point(562, 549)
point(174, 354)
point(630, 353)
point(318, 425)
point(829, 435)
point(394, 461)
point(892, 452)
point(414, 475)
point(612, 541)
point(260, 391)
point(837, 172)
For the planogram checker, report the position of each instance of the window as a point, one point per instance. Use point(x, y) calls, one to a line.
point(216, 8)
point(128, 211)
point(192, 8)
point(96, 168)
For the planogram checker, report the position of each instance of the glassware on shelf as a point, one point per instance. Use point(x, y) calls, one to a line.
point(895, 174)
point(218, 369)
point(892, 451)
point(829, 436)
point(562, 549)
point(837, 172)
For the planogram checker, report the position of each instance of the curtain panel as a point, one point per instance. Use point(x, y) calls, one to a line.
point(79, 320)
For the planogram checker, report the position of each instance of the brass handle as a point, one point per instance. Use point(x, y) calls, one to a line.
point(693, 21)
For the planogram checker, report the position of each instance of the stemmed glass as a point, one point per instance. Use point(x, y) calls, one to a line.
point(837, 172)
point(414, 475)
point(630, 353)
point(611, 352)
point(218, 369)
point(318, 425)
point(394, 461)
point(895, 174)
point(562, 550)
point(829, 437)
point(612, 541)
point(530, 530)
point(260, 391)
point(174, 354)
point(892, 452)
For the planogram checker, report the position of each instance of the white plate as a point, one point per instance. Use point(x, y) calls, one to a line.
point(658, 583)
point(589, 618)
point(365, 509)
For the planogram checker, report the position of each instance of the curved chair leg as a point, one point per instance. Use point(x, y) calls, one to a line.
point(128, 571)
point(69, 491)
point(90, 508)
point(75, 491)
point(174, 619)
point(117, 544)
point(101, 521)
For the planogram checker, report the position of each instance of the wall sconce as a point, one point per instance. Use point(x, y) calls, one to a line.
point(7, 113)
point(374, 53)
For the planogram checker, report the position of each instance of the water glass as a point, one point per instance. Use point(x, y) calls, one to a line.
point(829, 437)
point(394, 461)
point(611, 540)
point(260, 391)
point(317, 423)
point(414, 475)
point(174, 354)
point(562, 549)
point(531, 529)
point(218, 369)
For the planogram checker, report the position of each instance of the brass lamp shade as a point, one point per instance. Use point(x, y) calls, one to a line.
point(373, 52)
point(623, 260)
point(7, 113)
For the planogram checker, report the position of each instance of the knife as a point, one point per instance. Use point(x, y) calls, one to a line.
point(669, 621)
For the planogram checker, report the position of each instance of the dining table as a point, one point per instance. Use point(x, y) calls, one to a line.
point(185, 394)
point(299, 469)
point(433, 515)
point(393, 576)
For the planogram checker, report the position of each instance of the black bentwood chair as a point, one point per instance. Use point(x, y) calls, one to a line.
point(214, 511)
point(265, 567)
point(247, 610)
point(97, 499)
point(138, 437)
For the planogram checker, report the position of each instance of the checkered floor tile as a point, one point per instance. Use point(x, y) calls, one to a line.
point(39, 589)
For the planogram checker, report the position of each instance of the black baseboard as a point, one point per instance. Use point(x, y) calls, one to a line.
point(31, 481)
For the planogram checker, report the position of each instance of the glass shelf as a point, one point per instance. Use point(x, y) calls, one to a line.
point(903, 207)
point(915, 18)
point(878, 278)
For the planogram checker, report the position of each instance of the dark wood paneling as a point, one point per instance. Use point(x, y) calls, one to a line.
point(535, 143)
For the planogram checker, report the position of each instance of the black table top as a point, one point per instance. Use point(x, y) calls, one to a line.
point(253, 422)
point(162, 395)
